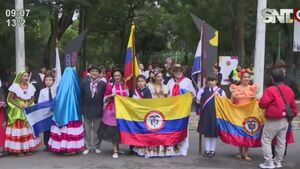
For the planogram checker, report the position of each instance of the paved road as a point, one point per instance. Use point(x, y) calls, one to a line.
point(223, 159)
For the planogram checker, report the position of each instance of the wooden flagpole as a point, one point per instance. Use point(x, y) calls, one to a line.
point(202, 84)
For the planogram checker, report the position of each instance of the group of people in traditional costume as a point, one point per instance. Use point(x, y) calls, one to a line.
point(84, 113)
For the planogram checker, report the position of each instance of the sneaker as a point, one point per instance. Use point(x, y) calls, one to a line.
point(266, 165)
point(97, 151)
point(212, 153)
point(278, 165)
point(86, 151)
point(115, 156)
point(206, 154)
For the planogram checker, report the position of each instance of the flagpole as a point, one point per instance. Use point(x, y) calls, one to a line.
point(20, 40)
point(134, 56)
point(202, 83)
point(202, 55)
point(259, 59)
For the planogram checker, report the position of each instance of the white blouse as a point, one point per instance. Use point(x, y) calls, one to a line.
point(24, 94)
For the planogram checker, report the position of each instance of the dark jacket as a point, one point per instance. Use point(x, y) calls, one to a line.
point(38, 84)
point(91, 107)
point(144, 93)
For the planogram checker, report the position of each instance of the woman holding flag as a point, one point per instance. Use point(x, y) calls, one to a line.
point(158, 90)
point(240, 95)
point(19, 135)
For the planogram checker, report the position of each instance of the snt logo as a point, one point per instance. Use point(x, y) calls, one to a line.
point(283, 16)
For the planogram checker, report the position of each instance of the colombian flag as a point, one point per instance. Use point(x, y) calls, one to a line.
point(131, 64)
point(153, 122)
point(241, 125)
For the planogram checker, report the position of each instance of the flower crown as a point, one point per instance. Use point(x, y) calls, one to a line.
point(243, 71)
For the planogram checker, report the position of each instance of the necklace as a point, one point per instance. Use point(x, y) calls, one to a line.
point(24, 88)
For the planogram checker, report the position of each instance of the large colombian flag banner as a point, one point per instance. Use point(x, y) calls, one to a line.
point(153, 122)
point(131, 64)
point(241, 125)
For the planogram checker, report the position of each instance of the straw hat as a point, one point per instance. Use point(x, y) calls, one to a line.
point(279, 64)
point(176, 67)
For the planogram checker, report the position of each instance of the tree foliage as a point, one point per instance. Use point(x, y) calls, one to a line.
point(163, 28)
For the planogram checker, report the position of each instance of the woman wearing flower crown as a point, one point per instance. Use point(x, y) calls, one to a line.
point(243, 94)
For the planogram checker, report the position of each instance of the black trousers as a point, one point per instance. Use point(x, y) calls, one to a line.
point(46, 138)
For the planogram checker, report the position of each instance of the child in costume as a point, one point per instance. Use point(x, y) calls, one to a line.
point(205, 97)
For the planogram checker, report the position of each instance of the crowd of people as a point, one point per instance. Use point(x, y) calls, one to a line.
point(85, 112)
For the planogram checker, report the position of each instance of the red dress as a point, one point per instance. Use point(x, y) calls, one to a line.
point(2, 126)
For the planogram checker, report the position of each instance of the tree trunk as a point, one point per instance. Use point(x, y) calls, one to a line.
point(82, 27)
point(58, 28)
point(185, 54)
point(122, 44)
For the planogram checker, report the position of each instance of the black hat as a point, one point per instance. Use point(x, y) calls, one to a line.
point(94, 67)
point(212, 77)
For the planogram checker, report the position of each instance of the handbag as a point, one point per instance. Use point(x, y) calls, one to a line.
point(290, 114)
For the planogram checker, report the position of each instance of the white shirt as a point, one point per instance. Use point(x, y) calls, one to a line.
point(146, 74)
point(200, 92)
point(183, 84)
point(42, 76)
point(151, 87)
point(44, 94)
point(103, 79)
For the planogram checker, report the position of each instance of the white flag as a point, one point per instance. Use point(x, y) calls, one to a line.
point(57, 71)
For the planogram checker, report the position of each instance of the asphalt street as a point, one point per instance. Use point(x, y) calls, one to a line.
point(224, 159)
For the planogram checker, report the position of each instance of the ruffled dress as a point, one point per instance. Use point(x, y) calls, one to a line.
point(19, 135)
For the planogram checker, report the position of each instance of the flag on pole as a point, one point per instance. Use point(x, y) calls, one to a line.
point(72, 48)
point(210, 44)
point(39, 116)
point(57, 68)
point(57, 71)
point(131, 63)
point(196, 69)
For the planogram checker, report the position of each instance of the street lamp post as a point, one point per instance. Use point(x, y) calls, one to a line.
point(259, 60)
point(20, 40)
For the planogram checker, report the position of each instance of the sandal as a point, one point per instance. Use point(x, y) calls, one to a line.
point(239, 156)
point(247, 158)
point(115, 155)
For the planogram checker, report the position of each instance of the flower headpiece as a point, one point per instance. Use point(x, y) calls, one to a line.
point(243, 71)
